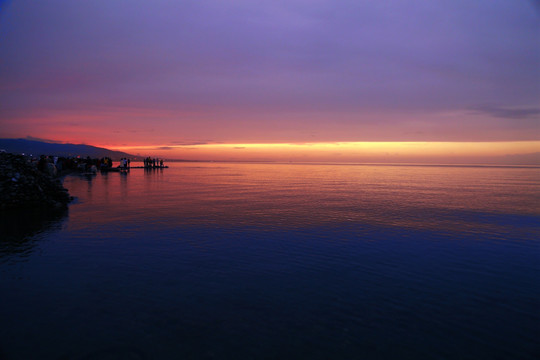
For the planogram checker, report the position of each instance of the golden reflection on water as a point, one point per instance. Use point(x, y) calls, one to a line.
point(297, 195)
point(313, 253)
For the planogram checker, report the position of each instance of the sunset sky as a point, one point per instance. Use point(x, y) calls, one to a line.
point(354, 80)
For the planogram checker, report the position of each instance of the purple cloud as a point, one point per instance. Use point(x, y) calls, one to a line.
point(254, 68)
point(509, 113)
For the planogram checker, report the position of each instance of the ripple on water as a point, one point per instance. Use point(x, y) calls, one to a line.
point(282, 261)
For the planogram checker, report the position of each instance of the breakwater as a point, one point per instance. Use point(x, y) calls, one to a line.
point(22, 185)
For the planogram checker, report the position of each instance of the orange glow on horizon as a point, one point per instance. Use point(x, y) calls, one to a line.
point(341, 151)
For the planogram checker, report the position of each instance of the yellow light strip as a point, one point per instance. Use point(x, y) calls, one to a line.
point(371, 148)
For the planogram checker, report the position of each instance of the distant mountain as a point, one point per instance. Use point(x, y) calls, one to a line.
point(36, 148)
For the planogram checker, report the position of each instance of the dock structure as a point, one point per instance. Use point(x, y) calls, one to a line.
point(122, 169)
point(150, 167)
point(125, 165)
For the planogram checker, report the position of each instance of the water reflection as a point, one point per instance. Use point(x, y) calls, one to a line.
point(281, 261)
point(19, 229)
point(291, 196)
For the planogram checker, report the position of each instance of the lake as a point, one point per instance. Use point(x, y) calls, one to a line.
point(279, 261)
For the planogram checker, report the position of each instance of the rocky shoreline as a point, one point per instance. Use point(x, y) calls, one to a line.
point(22, 186)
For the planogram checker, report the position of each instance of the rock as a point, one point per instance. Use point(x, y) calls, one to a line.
point(51, 170)
point(24, 186)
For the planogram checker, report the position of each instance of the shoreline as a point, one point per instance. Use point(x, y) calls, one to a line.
point(24, 186)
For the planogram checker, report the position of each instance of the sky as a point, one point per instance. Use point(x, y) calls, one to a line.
point(276, 80)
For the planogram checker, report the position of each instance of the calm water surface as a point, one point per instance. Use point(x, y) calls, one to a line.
point(273, 261)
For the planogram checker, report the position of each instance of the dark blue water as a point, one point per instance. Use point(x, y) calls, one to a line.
point(260, 261)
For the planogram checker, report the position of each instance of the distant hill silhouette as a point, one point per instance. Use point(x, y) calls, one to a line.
point(36, 148)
